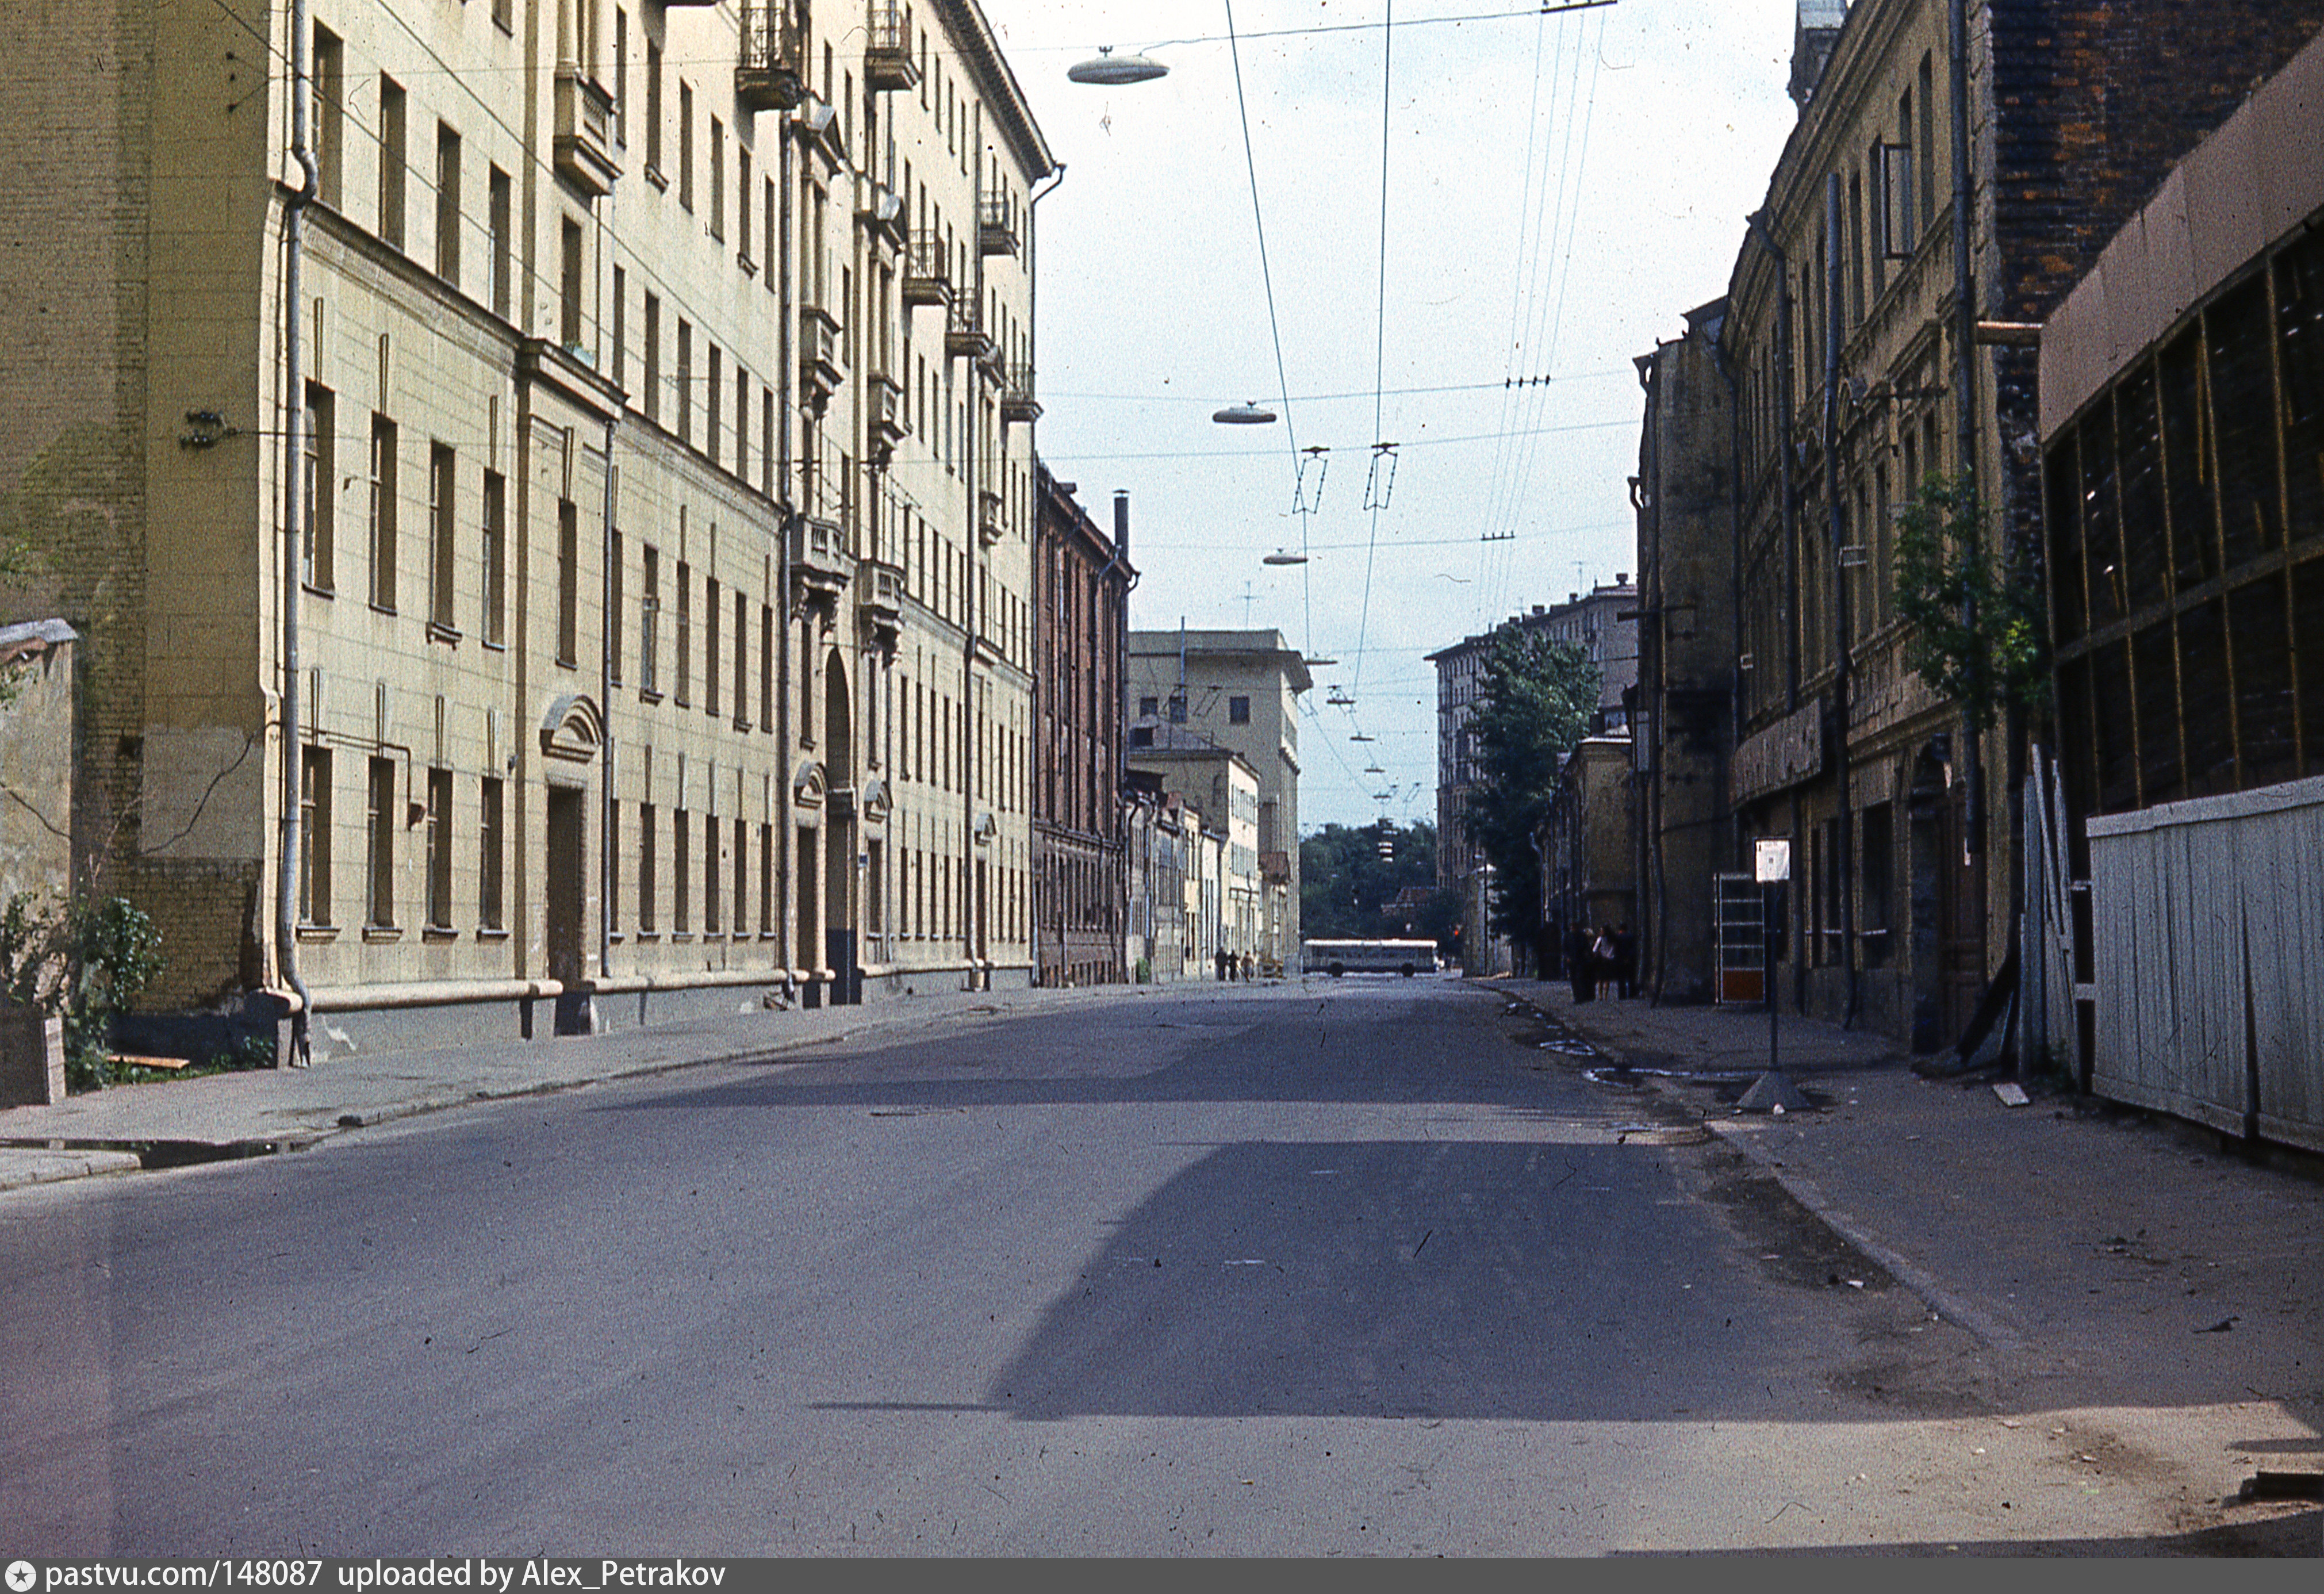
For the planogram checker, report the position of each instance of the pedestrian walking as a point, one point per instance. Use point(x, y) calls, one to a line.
point(1577, 963)
point(1626, 964)
point(1602, 960)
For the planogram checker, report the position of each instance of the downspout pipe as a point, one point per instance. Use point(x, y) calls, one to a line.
point(1836, 520)
point(294, 534)
point(1965, 377)
point(1788, 507)
point(608, 799)
point(786, 515)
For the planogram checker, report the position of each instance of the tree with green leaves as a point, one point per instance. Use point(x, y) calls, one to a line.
point(1978, 635)
point(1352, 876)
point(1536, 699)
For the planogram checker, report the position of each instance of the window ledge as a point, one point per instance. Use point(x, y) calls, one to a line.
point(647, 694)
point(313, 591)
point(379, 608)
point(438, 632)
point(383, 933)
point(491, 646)
point(319, 934)
point(491, 932)
point(436, 935)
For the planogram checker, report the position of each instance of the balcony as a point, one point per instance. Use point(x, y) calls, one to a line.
point(996, 224)
point(888, 419)
point(821, 563)
point(888, 63)
point(820, 371)
point(772, 73)
point(881, 602)
point(965, 333)
point(927, 277)
point(1017, 401)
point(585, 134)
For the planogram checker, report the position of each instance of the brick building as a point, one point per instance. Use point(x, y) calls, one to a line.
point(1874, 339)
point(1081, 600)
point(567, 564)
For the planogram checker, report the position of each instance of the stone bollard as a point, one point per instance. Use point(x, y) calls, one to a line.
point(32, 1057)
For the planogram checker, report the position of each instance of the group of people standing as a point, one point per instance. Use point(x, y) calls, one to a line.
point(1610, 957)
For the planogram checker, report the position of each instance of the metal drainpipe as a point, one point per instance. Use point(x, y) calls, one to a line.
point(1727, 374)
point(786, 516)
point(606, 854)
point(1835, 514)
point(294, 395)
point(1651, 610)
point(1965, 378)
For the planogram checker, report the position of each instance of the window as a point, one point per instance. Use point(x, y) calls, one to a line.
point(314, 836)
point(330, 70)
point(653, 359)
point(679, 673)
point(443, 540)
point(391, 162)
point(681, 871)
point(379, 820)
point(1147, 707)
point(685, 143)
point(1238, 711)
point(714, 405)
point(766, 665)
point(742, 879)
point(621, 77)
point(766, 878)
point(569, 583)
point(318, 492)
point(742, 663)
point(448, 203)
point(646, 897)
point(718, 180)
point(684, 382)
point(495, 559)
point(710, 648)
point(501, 202)
point(569, 283)
point(621, 327)
point(1895, 213)
point(653, 114)
point(382, 512)
point(614, 577)
point(490, 819)
point(439, 849)
point(743, 202)
point(650, 624)
point(711, 922)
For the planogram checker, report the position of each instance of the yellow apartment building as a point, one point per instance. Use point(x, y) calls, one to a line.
point(546, 490)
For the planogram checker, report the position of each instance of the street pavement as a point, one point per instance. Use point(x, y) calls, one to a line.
point(2121, 1268)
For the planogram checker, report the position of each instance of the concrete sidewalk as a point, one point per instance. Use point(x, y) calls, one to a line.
point(169, 1122)
point(2081, 1242)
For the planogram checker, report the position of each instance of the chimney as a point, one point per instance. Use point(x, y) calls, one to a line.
point(1820, 21)
point(1122, 522)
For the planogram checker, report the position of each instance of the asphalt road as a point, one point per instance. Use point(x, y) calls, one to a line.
point(1356, 1268)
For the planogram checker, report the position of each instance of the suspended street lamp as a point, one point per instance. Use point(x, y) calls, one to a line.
point(1283, 556)
point(1111, 70)
point(1249, 414)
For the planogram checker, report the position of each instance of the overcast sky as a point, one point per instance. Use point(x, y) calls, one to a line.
point(1560, 190)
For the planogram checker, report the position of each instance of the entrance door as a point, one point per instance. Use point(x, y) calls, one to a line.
point(1947, 947)
point(565, 889)
point(839, 932)
point(810, 923)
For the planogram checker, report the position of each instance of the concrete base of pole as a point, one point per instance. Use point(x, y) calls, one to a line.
point(1772, 1092)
